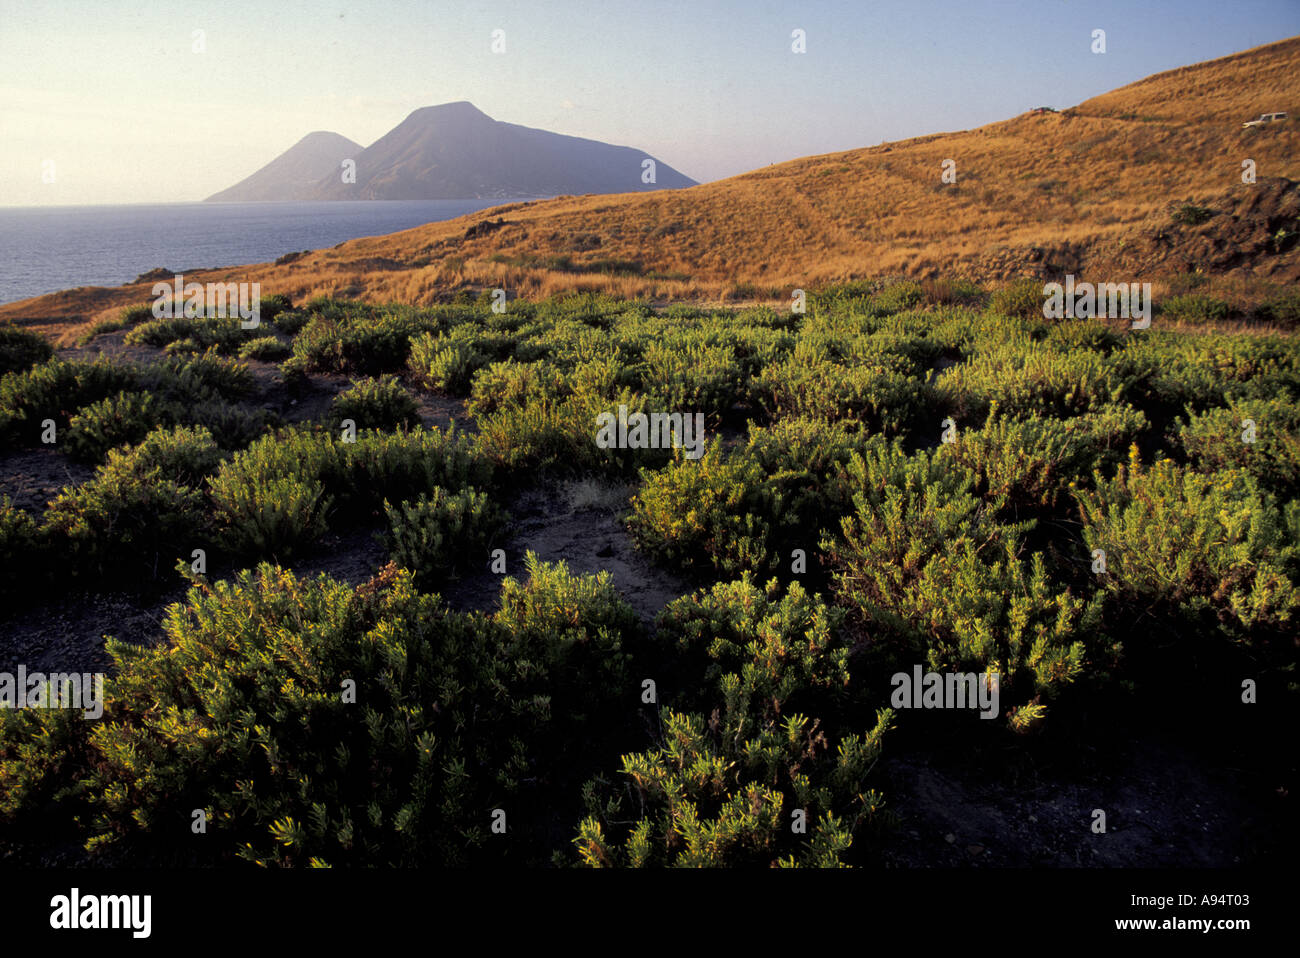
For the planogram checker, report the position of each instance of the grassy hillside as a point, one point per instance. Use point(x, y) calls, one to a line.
point(1095, 189)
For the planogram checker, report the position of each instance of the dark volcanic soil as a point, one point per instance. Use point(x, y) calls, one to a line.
point(580, 523)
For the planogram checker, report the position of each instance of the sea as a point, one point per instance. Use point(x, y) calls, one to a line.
point(44, 249)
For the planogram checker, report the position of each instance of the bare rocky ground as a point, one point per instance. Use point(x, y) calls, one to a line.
point(1169, 802)
point(1166, 806)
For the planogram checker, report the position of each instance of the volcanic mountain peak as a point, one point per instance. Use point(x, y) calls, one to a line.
point(456, 151)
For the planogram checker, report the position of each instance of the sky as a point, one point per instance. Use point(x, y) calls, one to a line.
point(121, 101)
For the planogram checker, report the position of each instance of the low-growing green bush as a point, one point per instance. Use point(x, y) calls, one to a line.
point(441, 532)
point(268, 517)
point(570, 641)
point(1029, 379)
point(123, 419)
point(197, 379)
point(21, 349)
point(1282, 308)
point(182, 454)
point(366, 343)
point(447, 363)
point(1211, 549)
point(559, 435)
point(722, 791)
point(1166, 373)
point(404, 465)
point(126, 524)
point(271, 307)
point(1032, 462)
point(359, 476)
point(266, 349)
point(291, 321)
point(230, 712)
point(707, 514)
point(1021, 299)
point(878, 395)
point(1194, 308)
point(931, 571)
point(432, 719)
point(1260, 436)
point(376, 404)
point(687, 376)
point(222, 333)
point(513, 385)
point(55, 390)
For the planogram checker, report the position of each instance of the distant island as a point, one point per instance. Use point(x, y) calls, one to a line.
point(447, 152)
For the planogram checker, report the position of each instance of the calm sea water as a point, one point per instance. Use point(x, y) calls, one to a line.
point(46, 249)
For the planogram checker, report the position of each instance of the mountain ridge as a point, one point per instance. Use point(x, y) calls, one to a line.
point(294, 173)
point(456, 151)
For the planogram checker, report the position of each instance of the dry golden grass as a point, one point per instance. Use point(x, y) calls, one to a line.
point(1081, 191)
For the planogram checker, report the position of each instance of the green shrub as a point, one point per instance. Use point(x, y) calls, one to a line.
point(197, 379)
point(1091, 334)
point(359, 476)
point(123, 419)
point(268, 517)
point(1165, 372)
point(684, 375)
point(233, 427)
point(898, 297)
point(291, 321)
point(225, 334)
point(271, 307)
point(1029, 379)
point(1194, 308)
point(183, 454)
point(931, 571)
point(403, 466)
point(432, 719)
point(721, 792)
point(360, 341)
point(264, 348)
point(21, 349)
point(559, 435)
point(293, 372)
point(441, 533)
point(513, 385)
point(444, 364)
point(377, 404)
point(1217, 439)
point(1032, 462)
point(570, 641)
point(1211, 549)
point(748, 509)
point(709, 513)
point(879, 395)
point(1189, 214)
point(229, 713)
point(55, 390)
point(1021, 299)
point(804, 461)
point(1282, 308)
point(126, 523)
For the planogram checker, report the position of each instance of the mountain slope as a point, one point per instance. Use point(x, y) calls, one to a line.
point(296, 173)
point(455, 151)
point(1091, 190)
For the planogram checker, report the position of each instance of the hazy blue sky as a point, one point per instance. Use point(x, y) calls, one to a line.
point(114, 95)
